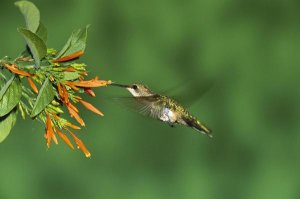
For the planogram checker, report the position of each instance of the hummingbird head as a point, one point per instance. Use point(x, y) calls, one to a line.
point(137, 90)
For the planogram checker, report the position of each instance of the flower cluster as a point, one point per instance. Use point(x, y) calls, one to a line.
point(55, 82)
point(67, 80)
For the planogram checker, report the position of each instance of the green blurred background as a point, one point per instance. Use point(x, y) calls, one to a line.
point(247, 51)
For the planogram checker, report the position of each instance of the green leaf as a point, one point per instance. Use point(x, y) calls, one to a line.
point(2, 82)
point(10, 95)
point(26, 52)
point(42, 32)
point(70, 76)
point(6, 86)
point(76, 42)
point(46, 95)
point(35, 43)
point(6, 124)
point(30, 13)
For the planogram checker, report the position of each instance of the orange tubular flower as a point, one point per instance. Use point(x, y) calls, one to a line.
point(65, 94)
point(72, 107)
point(69, 57)
point(74, 114)
point(89, 91)
point(72, 126)
point(64, 138)
point(49, 132)
point(70, 69)
point(90, 107)
point(90, 84)
point(32, 85)
point(60, 92)
point(80, 145)
point(17, 71)
point(84, 73)
point(72, 86)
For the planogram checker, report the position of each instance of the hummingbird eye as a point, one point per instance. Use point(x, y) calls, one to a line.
point(134, 87)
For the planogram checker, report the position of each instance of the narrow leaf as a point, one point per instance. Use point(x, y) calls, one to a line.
point(76, 42)
point(35, 43)
point(30, 13)
point(6, 124)
point(46, 95)
point(10, 95)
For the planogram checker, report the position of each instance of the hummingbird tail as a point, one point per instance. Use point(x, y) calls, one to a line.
point(196, 124)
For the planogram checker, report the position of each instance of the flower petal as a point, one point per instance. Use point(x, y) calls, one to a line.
point(89, 91)
point(72, 86)
point(73, 107)
point(69, 57)
point(49, 132)
point(65, 94)
point(90, 83)
point(15, 70)
point(74, 114)
point(60, 91)
point(70, 69)
point(80, 145)
point(64, 138)
point(91, 107)
point(68, 124)
point(32, 85)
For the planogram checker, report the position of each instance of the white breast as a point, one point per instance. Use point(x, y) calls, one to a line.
point(168, 115)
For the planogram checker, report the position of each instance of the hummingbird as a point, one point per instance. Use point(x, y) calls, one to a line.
point(161, 107)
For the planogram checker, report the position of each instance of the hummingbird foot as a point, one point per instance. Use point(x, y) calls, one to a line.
point(172, 125)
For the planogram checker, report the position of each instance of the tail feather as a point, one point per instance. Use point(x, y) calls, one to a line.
point(196, 124)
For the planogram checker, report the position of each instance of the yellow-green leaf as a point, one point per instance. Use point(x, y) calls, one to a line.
point(36, 45)
point(76, 42)
point(46, 95)
point(10, 95)
point(6, 124)
point(30, 13)
point(70, 76)
point(42, 32)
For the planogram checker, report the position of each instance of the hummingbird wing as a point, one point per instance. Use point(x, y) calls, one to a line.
point(190, 91)
point(147, 106)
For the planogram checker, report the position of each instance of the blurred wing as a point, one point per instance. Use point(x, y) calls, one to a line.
point(147, 106)
point(190, 91)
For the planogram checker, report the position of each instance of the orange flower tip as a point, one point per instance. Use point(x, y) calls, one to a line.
point(80, 145)
point(90, 92)
point(69, 57)
point(91, 107)
point(51, 78)
point(72, 86)
point(54, 139)
point(70, 69)
point(75, 115)
point(88, 84)
point(32, 85)
point(88, 155)
point(84, 73)
point(17, 71)
point(65, 138)
point(72, 126)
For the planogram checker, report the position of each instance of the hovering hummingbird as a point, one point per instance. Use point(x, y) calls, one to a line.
point(161, 107)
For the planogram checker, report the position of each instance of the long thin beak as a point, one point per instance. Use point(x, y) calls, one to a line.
point(120, 85)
